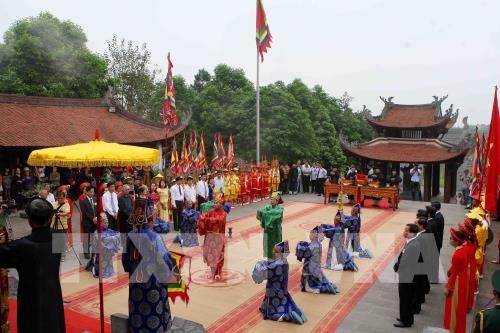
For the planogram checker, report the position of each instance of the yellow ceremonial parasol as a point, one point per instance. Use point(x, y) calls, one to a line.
point(96, 153)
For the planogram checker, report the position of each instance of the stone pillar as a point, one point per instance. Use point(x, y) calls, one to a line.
point(435, 179)
point(427, 182)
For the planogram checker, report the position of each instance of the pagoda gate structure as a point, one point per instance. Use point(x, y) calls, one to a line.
point(412, 134)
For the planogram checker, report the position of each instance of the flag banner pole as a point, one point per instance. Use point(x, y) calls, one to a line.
point(257, 88)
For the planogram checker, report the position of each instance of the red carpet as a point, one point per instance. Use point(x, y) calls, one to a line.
point(75, 322)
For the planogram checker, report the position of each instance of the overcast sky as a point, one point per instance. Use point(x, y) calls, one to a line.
point(407, 49)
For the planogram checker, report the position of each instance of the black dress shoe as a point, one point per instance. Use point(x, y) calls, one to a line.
point(400, 324)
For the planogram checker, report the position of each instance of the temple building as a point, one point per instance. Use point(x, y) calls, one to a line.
point(30, 123)
point(413, 134)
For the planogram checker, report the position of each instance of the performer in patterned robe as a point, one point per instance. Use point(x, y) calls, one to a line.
point(189, 225)
point(455, 311)
point(470, 246)
point(278, 304)
point(149, 265)
point(313, 280)
point(271, 218)
point(110, 246)
point(353, 225)
point(212, 225)
point(337, 239)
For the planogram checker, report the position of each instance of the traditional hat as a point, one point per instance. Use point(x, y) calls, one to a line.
point(463, 228)
point(277, 196)
point(358, 206)
point(339, 214)
point(495, 280)
point(456, 236)
point(141, 214)
point(317, 229)
point(219, 198)
point(127, 178)
point(189, 177)
point(178, 178)
point(158, 175)
point(236, 169)
point(474, 215)
point(83, 186)
point(102, 187)
point(283, 247)
point(470, 227)
point(62, 188)
point(478, 210)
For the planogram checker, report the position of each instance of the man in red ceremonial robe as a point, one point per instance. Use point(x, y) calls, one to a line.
point(455, 310)
point(212, 225)
point(264, 183)
point(470, 245)
point(255, 175)
point(243, 187)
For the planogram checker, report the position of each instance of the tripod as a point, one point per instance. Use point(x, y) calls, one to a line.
point(59, 223)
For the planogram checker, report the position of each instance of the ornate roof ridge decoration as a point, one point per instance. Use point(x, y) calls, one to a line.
point(424, 116)
point(383, 140)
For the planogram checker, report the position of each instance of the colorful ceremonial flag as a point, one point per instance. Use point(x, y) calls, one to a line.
point(222, 153)
point(169, 111)
point(230, 153)
point(216, 154)
point(179, 285)
point(184, 163)
point(202, 158)
point(263, 36)
point(174, 160)
point(492, 169)
point(476, 169)
point(194, 152)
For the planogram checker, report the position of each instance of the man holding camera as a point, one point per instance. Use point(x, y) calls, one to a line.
point(415, 173)
point(39, 298)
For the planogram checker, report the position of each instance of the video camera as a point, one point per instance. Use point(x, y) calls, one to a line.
point(8, 207)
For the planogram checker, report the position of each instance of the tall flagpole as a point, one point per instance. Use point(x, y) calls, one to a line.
point(257, 88)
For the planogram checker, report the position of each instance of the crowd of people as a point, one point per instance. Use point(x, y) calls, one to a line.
point(418, 265)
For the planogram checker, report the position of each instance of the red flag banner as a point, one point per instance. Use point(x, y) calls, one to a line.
point(179, 285)
point(202, 158)
point(493, 160)
point(476, 169)
point(263, 34)
point(169, 111)
point(216, 154)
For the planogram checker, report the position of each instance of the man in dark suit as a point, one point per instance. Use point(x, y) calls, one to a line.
point(39, 297)
point(439, 218)
point(88, 208)
point(405, 267)
point(435, 225)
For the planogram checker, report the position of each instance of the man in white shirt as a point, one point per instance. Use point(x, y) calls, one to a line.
point(415, 173)
point(202, 190)
point(190, 191)
point(306, 176)
point(219, 183)
point(50, 196)
point(320, 181)
point(110, 205)
point(177, 198)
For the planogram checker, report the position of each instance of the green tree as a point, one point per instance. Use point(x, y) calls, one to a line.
point(44, 56)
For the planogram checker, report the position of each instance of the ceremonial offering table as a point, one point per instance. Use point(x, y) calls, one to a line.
point(391, 193)
point(330, 189)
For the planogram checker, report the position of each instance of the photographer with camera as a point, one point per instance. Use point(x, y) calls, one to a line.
point(415, 173)
point(62, 213)
point(39, 298)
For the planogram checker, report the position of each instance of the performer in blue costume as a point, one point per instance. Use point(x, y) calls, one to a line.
point(110, 246)
point(148, 263)
point(313, 280)
point(278, 304)
point(353, 225)
point(336, 234)
point(189, 225)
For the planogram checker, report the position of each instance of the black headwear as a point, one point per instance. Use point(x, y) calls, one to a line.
point(39, 211)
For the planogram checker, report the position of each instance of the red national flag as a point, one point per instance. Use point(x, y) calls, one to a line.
point(263, 34)
point(493, 160)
